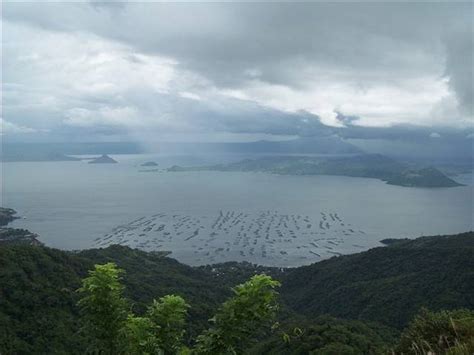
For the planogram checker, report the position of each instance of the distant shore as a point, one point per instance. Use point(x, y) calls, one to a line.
point(14, 235)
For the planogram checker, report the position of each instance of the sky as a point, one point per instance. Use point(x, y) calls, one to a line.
point(92, 71)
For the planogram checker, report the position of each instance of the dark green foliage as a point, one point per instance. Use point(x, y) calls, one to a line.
point(139, 336)
point(110, 329)
point(37, 300)
point(169, 315)
point(327, 335)
point(387, 284)
point(103, 308)
point(444, 332)
point(241, 318)
point(151, 275)
point(38, 310)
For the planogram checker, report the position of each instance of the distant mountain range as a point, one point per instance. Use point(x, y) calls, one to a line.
point(319, 145)
point(61, 151)
point(450, 150)
point(12, 152)
point(36, 156)
point(363, 165)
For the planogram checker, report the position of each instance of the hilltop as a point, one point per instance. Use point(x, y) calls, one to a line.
point(149, 163)
point(104, 159)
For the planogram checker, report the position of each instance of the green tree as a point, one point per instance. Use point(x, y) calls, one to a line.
point(168, 314)
point(113, 330)
point(103, 308)
point(443, 332)
point(139, 336)
point(241, 318)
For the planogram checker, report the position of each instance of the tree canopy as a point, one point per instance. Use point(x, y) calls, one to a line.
point(112, 328)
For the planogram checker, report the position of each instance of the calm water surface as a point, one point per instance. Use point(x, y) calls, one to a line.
point(206, 217)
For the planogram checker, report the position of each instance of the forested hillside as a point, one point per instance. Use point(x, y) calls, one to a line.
point(38, 298)
point(38, 291)
point(387, 284)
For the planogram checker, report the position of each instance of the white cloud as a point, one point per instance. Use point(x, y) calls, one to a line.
point(190, 95)
point(9, 127)
point(382, 104)
point(105, 116)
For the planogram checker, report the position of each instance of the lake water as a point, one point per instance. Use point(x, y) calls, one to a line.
point(207, 217)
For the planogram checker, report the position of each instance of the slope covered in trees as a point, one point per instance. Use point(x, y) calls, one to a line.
point(110, 327)
point(38, 291)
point(388, 285)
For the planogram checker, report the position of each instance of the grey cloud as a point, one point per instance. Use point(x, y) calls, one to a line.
point(233, 45)
point(283, 41)
point(459, 67)
point(403, 132)
point(109, 5)
point(228, 115)
point(410, 142)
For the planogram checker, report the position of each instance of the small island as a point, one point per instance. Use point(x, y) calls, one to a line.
point(104, 159)
point(36, 157)
point(149, 163)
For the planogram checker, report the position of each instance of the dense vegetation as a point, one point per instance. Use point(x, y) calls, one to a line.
point(111, 328)
point(388, 285)
point(450, 332)
point(328, 335)
point(443, 332)
point(38, 291)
